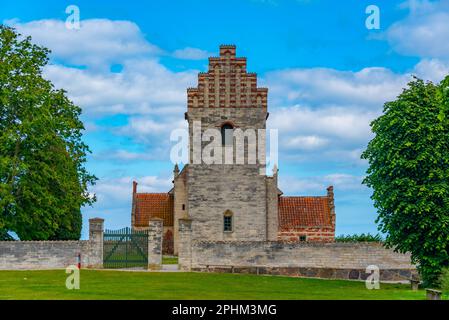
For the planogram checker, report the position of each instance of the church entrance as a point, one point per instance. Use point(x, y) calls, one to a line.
point(168, 243)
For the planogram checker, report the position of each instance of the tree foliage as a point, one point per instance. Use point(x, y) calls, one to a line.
point(409, 174)
point(444, 280)
point(43, 181)
point(363, 237)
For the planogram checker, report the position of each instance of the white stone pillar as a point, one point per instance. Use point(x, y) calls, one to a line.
point(95, 256)
point(155, 232)
point(185, 244)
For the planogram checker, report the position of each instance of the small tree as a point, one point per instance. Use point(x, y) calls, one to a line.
point(409, 174)
point(43, 181)
point(444, 280)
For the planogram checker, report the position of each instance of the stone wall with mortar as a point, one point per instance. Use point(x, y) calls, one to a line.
point(179, 203)
point(155, 233)
point(385, 275)
point(272, 207)
point(185, 245)
point(325, 260)
point(28, 255)
point(214, 189)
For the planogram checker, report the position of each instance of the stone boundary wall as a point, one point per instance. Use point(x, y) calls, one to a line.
point(324, 260)
point(28, 255)
point(394, 275)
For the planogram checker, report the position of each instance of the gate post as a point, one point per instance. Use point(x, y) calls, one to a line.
point(96, 243)
point(155, 243)
point(185, 244)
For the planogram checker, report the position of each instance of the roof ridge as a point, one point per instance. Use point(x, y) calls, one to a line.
point(152, 193)
point(303, 196)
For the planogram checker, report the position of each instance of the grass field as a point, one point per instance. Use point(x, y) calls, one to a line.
point(169, 260)
point(154, 285)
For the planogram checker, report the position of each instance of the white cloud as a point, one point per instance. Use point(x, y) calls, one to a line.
point(324, 114)
point(151, 96)
point(114, 198)
point(97, 43)
point(154, 184)
point(307, 142)
point(424, 32)
point(189, 53)
point(326, 134)
point(148, 130)
point(369, 87)
point(113, 191)
point(432, 69)
point(143, 87)
point(317, 185)
point(147, 126)
point(344, 181)
point(338, 122)
point(90, 126)
point(124, 155)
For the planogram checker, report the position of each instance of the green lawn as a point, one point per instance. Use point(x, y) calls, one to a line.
point(155, 285)
point(169, 260)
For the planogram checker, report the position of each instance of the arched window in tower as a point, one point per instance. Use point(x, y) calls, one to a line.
point(227, 221)
point(227, 134)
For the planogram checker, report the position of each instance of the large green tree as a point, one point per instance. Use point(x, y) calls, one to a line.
point(43, 180)
point(409, 174)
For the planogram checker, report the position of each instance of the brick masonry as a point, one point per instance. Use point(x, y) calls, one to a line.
point(27, 255)
point(314, 234)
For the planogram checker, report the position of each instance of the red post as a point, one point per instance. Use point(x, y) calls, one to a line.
point(79, 261)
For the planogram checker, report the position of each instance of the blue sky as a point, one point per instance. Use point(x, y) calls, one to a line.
point(328, 76)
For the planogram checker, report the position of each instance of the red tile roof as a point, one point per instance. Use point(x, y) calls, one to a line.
point(297, 212)
point(153, 205)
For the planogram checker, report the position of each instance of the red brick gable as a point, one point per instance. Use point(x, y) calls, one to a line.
point(227, 84)
point(153, 205)
point(300, 212)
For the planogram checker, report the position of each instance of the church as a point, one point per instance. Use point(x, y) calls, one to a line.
point(232, 202)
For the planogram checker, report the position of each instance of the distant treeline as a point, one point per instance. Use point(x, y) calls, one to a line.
point(363, 237)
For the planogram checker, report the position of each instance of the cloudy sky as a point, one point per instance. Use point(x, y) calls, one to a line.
point(129, 64)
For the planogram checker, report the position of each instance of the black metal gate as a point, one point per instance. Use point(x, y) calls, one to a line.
point(125, 248)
